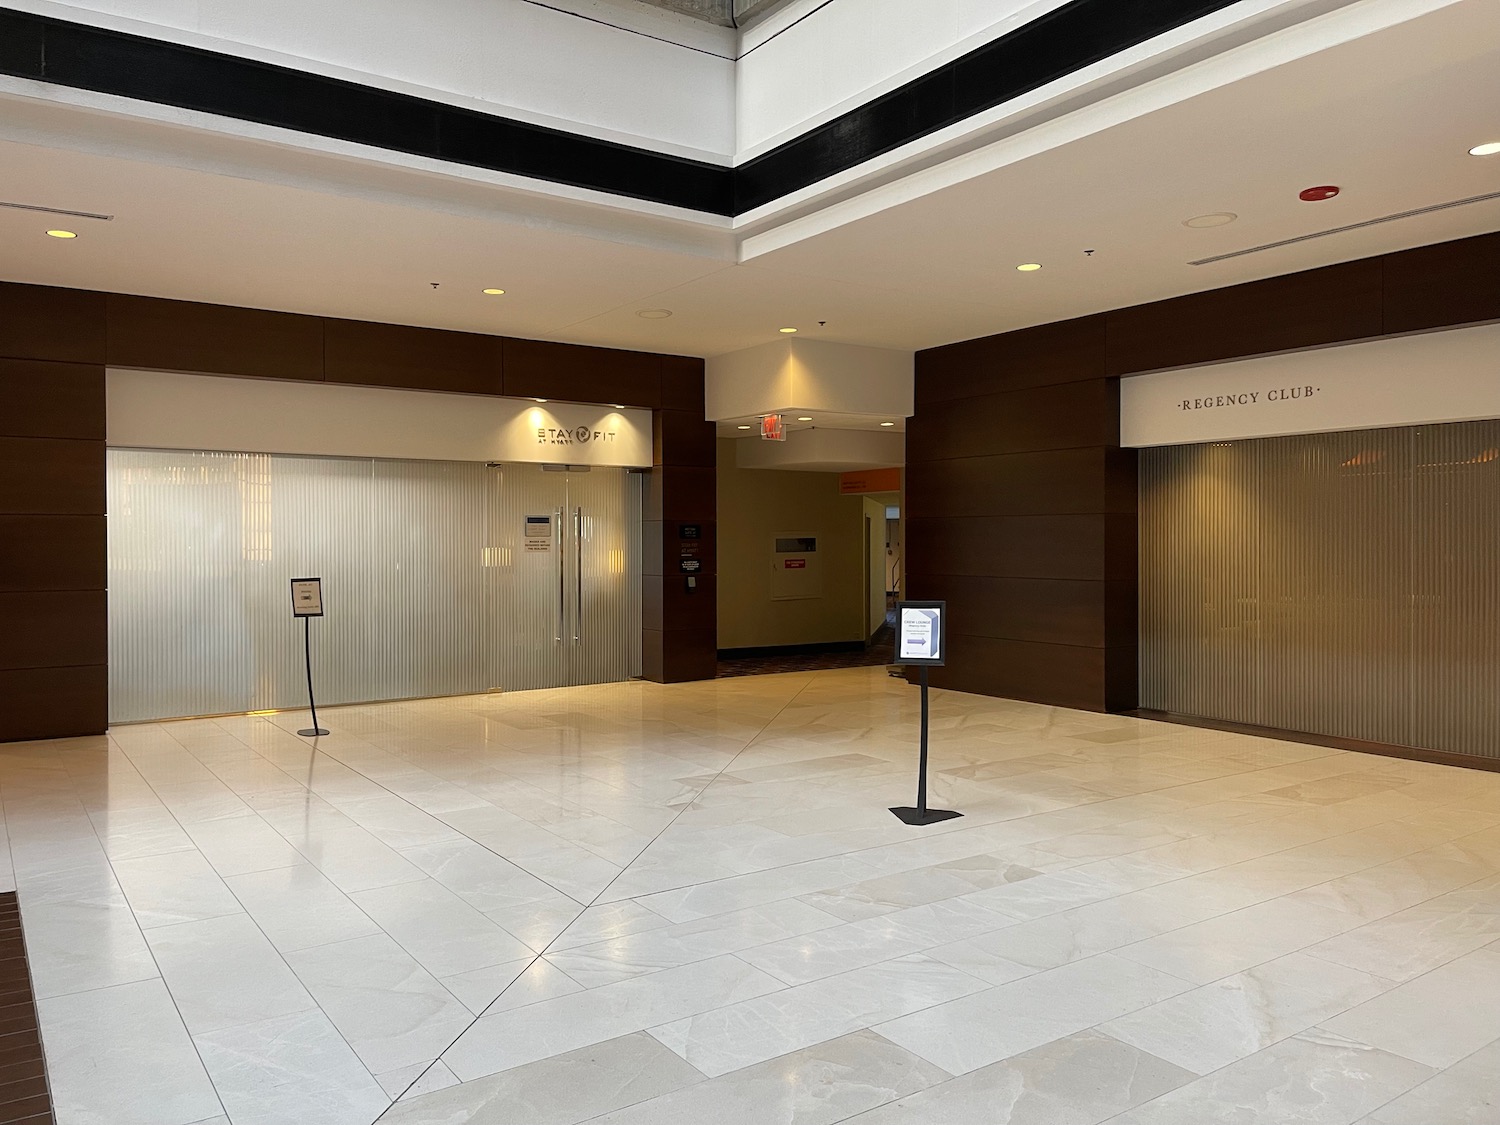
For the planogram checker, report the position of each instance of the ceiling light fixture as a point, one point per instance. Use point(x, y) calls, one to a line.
point(62, 234)
point(654, 314)
point(787, 331)
point(1318, 194)
point(744, 427)
point(887, 423)
point(1491, 149)
point(541, 400)
point(804, 419)
point(1217, 219)
point(494, 292)
point(1029, 267)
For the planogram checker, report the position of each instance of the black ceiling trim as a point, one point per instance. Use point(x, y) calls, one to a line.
point(1068, 39)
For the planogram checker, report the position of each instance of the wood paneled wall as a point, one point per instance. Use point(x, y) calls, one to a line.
point(1021, 505)
point(54, 347)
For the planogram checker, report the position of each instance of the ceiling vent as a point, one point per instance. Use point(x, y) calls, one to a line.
point(56, 211)
point(1352, 226)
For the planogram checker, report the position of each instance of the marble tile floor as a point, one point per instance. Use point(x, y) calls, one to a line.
point(646, 905)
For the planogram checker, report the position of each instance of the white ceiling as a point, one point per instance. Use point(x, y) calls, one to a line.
point(1389, 117)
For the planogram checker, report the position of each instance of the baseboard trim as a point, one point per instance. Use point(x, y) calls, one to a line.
point(1333, 742)
point(821, 649)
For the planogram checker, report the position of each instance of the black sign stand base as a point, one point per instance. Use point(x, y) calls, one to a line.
point(314, 730)
point(922, 814)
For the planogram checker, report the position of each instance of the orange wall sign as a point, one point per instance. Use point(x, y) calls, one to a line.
point(870, 480)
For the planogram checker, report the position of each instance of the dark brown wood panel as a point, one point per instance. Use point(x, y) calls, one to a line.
point(52, 552)
point(572, 373)
point(24, 1095)
point(1047, 546)
point(423, 359)
point(55, 400)
point(681, 493)
point(675, 656)
point(1443, 285)
point(51, 476)
point(1062, 416)
point(1299, 310)
point(42, 322)
point(683, 437)
point(165, 335)
point(682, 383)
point(1063, 352)
point(53, 702)
point(1020, 609)
point(668, 604)
point(1054, 482)
point(53, 629)
point(1062, 675)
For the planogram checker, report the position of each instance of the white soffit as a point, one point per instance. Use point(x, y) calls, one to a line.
point(1436, 377)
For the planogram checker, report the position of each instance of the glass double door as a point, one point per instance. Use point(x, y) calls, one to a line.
point(564, 598)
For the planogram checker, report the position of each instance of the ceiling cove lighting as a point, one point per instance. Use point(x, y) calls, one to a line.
point(1029, 267)
point(494, 292)
point(1217, 219)
point(61, 234)
point(787, 331)
point(1491, 149)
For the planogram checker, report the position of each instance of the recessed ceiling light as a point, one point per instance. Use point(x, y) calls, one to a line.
point(1217, 219)
point(617, 406)
point(744, 427)
point(62, 234)
point(787, 331)
point(494, 292)
point(1491, 149)
point(654, 314)
point(541, 400)
point(887, 423)
point(804, 419)
point(1029, 267)
point(1318, 194)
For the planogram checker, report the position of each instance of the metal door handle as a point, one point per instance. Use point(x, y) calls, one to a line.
point(578, 568)
point(557, 544)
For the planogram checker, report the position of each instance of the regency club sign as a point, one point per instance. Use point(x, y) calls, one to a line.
point(1432, 377)
point(1249, 398)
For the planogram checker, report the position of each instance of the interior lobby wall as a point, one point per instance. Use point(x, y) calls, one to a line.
point(1021, 503)
point(54, 347)
point(758, 505)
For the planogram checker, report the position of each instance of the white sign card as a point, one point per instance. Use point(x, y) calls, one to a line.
point(919, 633)
point(539, 533)
point(307, 597)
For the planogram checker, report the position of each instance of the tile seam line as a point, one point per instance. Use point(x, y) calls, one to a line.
point(766, 725)
point(279, 953)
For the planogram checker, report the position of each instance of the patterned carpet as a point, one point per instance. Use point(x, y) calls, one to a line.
point(882, 650)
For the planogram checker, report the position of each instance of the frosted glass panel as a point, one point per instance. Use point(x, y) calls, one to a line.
point(1344, 584)
point(428, 584)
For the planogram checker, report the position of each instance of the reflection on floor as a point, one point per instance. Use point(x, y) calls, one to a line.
point(639, 904)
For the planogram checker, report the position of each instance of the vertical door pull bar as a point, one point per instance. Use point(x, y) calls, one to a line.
point(557, 545)
point(578, 563)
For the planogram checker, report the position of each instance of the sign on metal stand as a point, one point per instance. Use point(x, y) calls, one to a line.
point(307, 603)
point(919, 641)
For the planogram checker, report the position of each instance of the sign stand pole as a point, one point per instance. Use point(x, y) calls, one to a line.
point(922, 814)
point(312, 703)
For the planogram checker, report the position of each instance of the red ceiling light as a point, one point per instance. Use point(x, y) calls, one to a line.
point(1318, 194)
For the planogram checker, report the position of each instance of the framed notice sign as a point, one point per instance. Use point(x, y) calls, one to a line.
point(919, 633)
point(307, 597)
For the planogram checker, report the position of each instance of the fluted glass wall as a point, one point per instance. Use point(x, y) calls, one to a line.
point(428, 585)
point(1344, 584)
